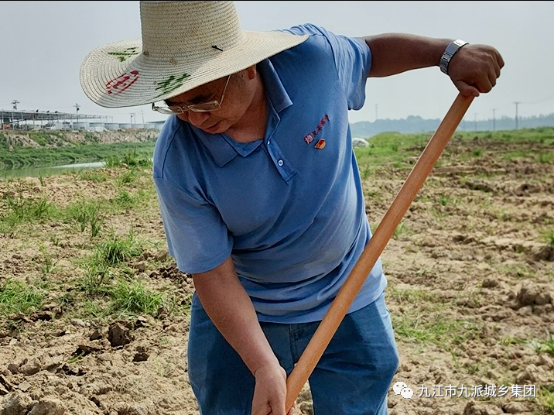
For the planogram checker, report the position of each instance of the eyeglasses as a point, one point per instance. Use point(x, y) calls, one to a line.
point(200, 107)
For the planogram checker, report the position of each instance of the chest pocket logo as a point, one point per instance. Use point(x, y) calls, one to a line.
point(308, 138)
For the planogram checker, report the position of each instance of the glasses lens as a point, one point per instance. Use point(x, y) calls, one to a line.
point(164, 109)
point(204, 106)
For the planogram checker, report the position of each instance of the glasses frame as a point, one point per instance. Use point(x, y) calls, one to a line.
point(200, 107)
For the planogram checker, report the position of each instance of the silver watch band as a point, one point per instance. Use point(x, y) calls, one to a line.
point(449, 52)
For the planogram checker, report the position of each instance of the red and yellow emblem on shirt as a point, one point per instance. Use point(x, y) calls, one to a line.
point(320, 144)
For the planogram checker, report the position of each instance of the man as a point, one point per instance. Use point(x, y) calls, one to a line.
point(260, 193)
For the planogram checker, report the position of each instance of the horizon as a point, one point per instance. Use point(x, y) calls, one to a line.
point(43, 71)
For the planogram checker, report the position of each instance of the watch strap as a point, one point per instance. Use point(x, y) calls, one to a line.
point(449, 52)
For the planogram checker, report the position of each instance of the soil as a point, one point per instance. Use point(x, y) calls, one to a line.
point(470, 290)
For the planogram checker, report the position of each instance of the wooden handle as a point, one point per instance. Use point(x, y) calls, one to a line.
point(340, 305)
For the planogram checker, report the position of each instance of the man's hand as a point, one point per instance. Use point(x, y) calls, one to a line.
point(474, 69)
point(270, 392)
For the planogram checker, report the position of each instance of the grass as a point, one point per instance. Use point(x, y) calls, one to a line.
point(58, 153)
point(546, 397)
point(133, 298)
point(426, 328)
point(17, 297)
point(86, 214)
point(545, 346)
point(102, 278)
point(548, 237)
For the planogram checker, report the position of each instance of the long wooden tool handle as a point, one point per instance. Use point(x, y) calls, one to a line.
point(334, 316)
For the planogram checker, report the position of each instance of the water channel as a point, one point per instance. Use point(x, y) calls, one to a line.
point(47, 171)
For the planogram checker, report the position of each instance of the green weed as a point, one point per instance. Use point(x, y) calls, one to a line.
point(546, 398)
point(117, 250)
point(548, 237)
point(545, 346)
point(18, 297)
point(134, 298)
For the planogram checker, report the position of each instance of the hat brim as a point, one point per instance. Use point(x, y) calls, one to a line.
point(119, 75)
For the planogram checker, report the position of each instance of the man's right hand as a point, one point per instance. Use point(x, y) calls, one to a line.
point(270, 392)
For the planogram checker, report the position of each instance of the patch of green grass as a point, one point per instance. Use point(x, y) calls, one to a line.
point(124, 200)
point(411, 296)
point(477, 152)
point(548, 237)
point(443, 199)
point(546, 157)
point(437, 329)
point(430, 325)
point(96, 279)
point(133, 157)
point(365, 171)
point(401, 229)
point(116, 250)
point(58, 149)
point(18, 297)
point(127, 177)
point(26, 209)
point(546, 399)
point(134, 298)
point(545, 346)
point(92, 309)
point(517, 271)
point(509, 340)
point(93, 175)
point(48, 262)
point(86, 213)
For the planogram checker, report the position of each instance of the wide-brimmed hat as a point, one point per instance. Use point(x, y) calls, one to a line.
point(184, 44)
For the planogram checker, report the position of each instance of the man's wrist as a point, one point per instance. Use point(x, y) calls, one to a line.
point(449, 53)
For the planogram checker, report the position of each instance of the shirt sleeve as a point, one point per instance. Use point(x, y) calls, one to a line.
point(352, 59)
point(196, 248)
point(196, 236)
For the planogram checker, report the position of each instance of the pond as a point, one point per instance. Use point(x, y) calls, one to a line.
point(47, 171)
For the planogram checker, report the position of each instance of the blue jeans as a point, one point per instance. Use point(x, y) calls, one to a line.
point(352, 377)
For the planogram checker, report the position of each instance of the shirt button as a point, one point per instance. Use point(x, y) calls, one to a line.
point(268, 142)
point(280, 163)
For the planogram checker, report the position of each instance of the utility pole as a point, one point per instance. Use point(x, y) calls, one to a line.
point(517, 103)
point(132, 118)
point(493, 119)
point(376, 106)
point(14, 103)
point(77, 107)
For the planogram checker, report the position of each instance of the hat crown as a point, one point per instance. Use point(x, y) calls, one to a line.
point(189, 28)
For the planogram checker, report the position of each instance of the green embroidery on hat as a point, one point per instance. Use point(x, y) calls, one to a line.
point(125, 53)
point(171, 84)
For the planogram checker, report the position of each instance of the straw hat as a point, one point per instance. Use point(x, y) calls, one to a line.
point(184, 44)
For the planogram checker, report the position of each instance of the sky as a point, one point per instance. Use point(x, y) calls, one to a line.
point(44, 43)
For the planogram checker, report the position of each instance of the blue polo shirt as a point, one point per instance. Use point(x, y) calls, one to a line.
point(287, 208)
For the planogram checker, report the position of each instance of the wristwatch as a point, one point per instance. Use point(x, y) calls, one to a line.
point(450, 51)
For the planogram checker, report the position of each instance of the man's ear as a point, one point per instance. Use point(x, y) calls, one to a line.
point(251, 71)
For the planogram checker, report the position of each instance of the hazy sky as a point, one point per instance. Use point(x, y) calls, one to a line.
point(44, 43)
